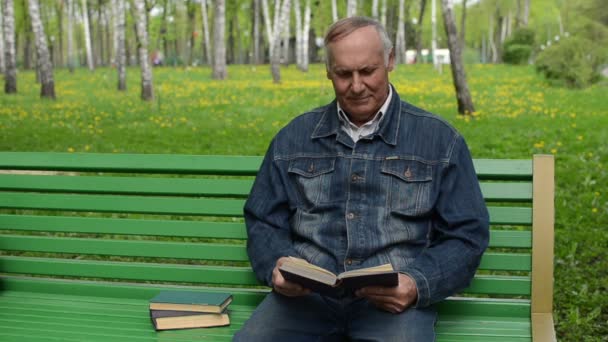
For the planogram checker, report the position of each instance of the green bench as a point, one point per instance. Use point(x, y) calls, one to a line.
point(87, 239)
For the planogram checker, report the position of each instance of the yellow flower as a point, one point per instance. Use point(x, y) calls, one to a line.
point(71, 149)
point(554, 151)
point(594, 210)
point(559, 143)
point(540, 144)
point(580, 137)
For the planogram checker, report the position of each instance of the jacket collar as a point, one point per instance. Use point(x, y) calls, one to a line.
point(329, 124)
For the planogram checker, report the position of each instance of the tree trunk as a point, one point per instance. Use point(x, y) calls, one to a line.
point(121, 53)
point(206, 40)
point(219, 28)
point(59, 9)
point(269, 28)
point(526, 13)
point(285, 36)
point(10, 56)
point(70, 15)
point(383, 13)
point(45, 66)
point(400, 37)
point(305, 35)
point(147, 88)
point(299, 32)
point(375, 9)
point(276, 54)
point(419, 31)
point(1, 40)
point(351, 10)
point(256, 32)
point(434, 33)
point(463, 25)
point(465, 103)
point(87, 36)
point(334, 11)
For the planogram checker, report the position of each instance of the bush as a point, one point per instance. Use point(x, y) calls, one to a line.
point(573, 62)
point(518, 48)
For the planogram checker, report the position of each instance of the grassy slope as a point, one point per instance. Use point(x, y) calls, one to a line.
point(518, 115)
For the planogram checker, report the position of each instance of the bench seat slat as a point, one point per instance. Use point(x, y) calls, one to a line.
point(503, 169)
point(190, 250)
point(127, 185)
point(199, 229)
point(492, 191)
point(108, 225)
point(123, 204)
point(133, 163)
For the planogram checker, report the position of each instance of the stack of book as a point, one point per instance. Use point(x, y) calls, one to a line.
point(188, 309)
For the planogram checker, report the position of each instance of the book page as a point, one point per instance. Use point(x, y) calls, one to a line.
point(367, 271)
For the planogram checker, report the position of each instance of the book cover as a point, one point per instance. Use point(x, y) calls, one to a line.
point(196, 301)
point(169, 319)
point(321, 280)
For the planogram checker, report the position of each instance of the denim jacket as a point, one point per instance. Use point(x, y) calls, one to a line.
point(407, 194)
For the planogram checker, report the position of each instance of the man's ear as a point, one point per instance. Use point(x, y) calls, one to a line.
point(391, 60)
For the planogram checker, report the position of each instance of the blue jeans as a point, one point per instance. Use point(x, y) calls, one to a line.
point(320, 318)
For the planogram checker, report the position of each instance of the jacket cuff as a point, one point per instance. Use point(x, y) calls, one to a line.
point(422, 286)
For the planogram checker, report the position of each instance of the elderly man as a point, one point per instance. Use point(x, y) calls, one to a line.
point(366, 180)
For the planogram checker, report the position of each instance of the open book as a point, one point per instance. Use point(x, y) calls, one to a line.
point(321, 280)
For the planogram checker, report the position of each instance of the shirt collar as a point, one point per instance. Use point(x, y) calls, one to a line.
point(347, 124)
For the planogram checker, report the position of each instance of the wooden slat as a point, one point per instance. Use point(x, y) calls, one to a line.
point(506, 262)
point(503, 169)
point(127, 185)
point(507, 191)
point(510, 215)
point(511, 238)
point(129, 270)
point(123, 204)
point(108, 225)
point(150, 163)
point(130, 248)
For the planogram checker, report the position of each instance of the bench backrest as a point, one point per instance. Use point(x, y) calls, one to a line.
point(177, 219)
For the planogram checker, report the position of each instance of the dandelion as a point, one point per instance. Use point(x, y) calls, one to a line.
point(71, 149)
point(590, 154)
point(540, 144)
point(559, 143)
point(594, 210)
point(580, 138)
point(554, 151)
point(597, 194)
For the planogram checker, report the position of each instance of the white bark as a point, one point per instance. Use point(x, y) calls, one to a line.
point(434, 33)
point(526, 13)
point(305, 35)
point(375, 9)
point(70, 15)
point(121, 53)
point(1, 41)
point(285, 33)
point(206, 41)
point(383, 13)
point(299, 33)
point(351, 9)
point(334, 11)
point(256, 32)
point(45, 66)
point(10, 55)
point(87, 36)
point(275, 59)
point(147, 87)
point(269, 26)
point(219, 45)
point(400, 37)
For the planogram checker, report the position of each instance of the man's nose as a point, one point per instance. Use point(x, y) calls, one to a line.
point(357, 85)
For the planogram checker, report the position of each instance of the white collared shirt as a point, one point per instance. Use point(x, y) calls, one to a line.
point(370, 127)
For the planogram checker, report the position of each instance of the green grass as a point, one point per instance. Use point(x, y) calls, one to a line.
point(517, 115)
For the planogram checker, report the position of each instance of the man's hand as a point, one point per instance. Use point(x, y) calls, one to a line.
point(392, 299)
point(283, 286)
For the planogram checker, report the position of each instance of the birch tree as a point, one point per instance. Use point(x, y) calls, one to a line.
point(298, 22)
point(400, 37)
point(375, 9)
point(206, 41)
point(351, 9)
point(276, 54)
point(10, 55)
point(1, 41)
point(256, 32)
point(147, 89)
point(219, 44)
point(121, 53)
point(285, 36)
point(419, 31)
point(305, 37)
point(334, 11)
point(45, 66)
point(465, 103)
point(70, 16)
point(87, 36)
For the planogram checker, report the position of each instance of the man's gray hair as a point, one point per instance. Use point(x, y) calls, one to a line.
point(346, 26)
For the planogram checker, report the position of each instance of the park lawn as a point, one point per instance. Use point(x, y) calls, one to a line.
point(517, 115)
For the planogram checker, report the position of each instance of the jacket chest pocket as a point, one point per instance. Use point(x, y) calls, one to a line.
point(312, 177)
point(409, 184)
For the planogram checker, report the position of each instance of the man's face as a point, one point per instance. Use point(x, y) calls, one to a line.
point(358, 73)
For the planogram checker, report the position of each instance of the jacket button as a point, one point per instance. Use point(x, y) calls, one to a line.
point(350, 216)
point(349, 261)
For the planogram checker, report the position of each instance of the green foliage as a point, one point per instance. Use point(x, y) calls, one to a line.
point(572, 62)
point(518, 48)
point(518, 115)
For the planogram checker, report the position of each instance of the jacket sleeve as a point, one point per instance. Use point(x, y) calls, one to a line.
point(267, 214)
point(459, 234)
